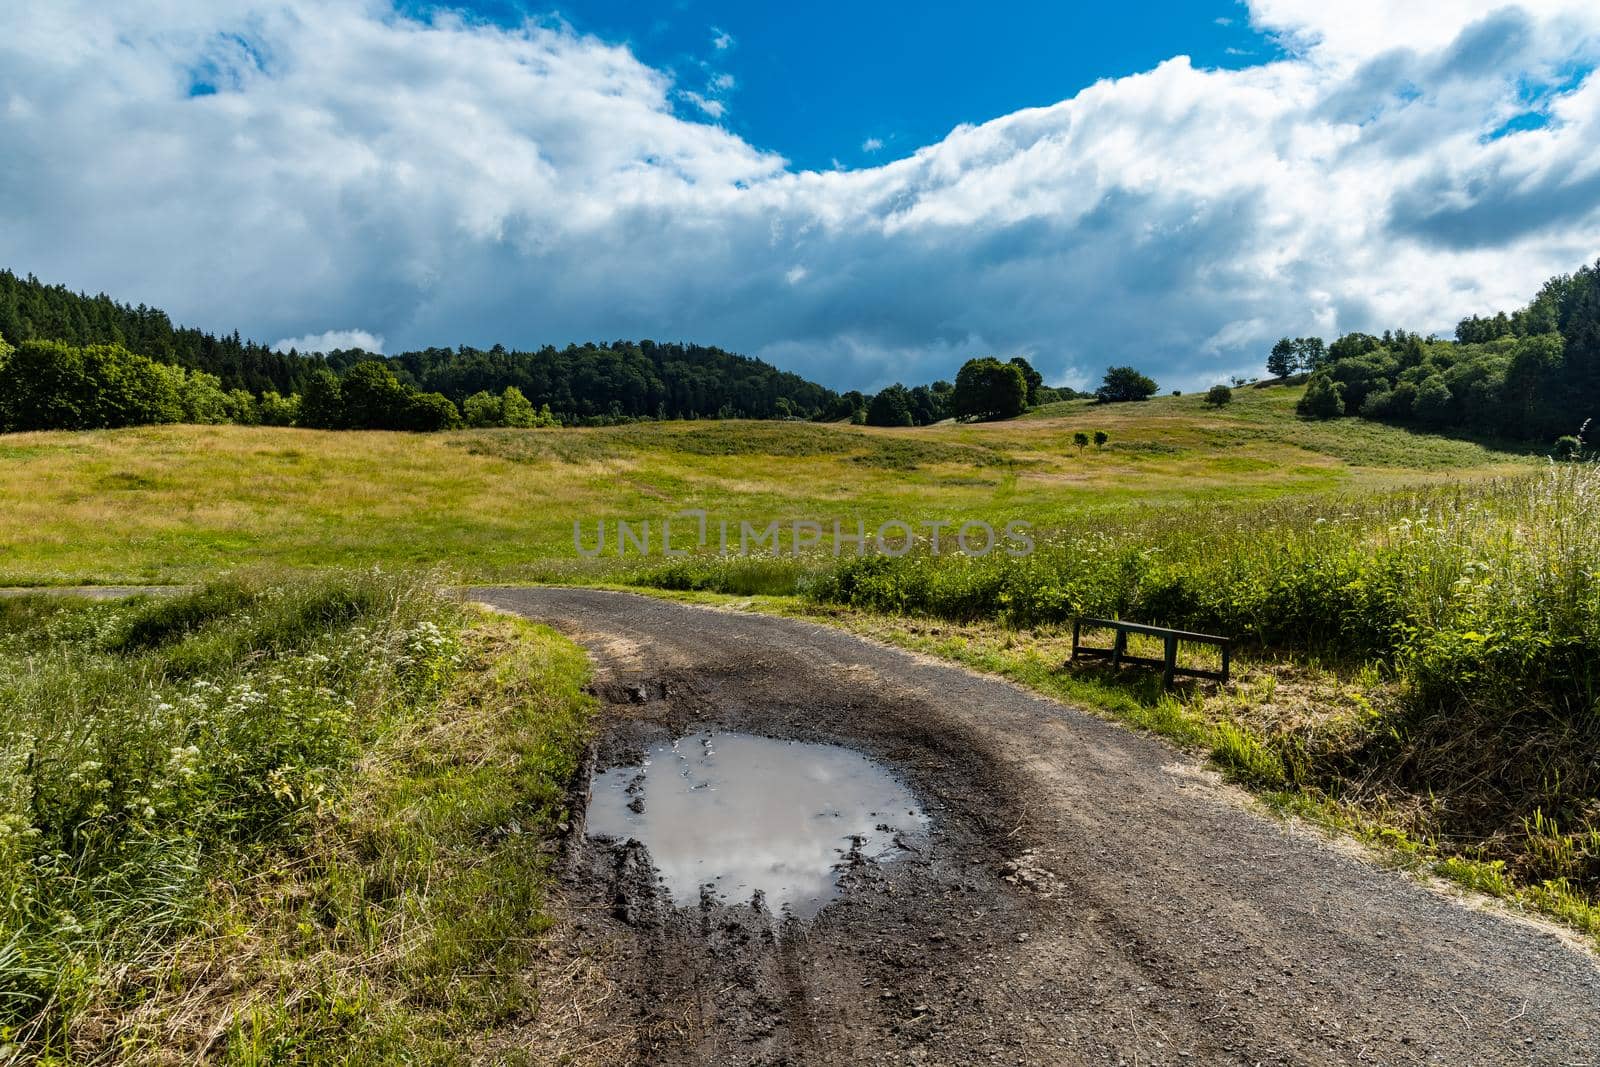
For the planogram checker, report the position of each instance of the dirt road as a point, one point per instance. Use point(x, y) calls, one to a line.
point(1088, 895)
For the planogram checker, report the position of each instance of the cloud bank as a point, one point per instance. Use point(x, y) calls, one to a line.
point(330, 341)
point(290, 168)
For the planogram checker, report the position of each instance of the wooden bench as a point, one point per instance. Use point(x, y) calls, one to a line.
point(1118, 652)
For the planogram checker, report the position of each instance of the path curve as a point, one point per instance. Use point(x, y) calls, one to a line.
point(1091, 896)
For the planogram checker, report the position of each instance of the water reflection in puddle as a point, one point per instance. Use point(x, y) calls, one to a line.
point(745, 814)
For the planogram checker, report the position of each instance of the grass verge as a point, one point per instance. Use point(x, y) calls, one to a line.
point(276, 822)
point(1289, 730)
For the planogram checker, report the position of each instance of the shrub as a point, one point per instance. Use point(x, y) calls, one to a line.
point(276, 410)
point(429, 413)
point(1219, 396)
point(1100, 438)
point(1080, 439)
point(1323, 399)
point(483, 409)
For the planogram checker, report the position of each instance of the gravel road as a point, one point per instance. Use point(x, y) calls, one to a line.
point(1088, 895)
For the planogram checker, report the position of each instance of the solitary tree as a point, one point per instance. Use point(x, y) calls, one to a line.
point(1100, 438)
point(1124, 383)
point(1080, 439)
point(1219, 395)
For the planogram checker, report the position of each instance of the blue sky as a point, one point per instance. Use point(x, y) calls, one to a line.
point(1136, 184)
point(818, 81)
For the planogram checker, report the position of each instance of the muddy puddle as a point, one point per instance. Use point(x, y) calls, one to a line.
point(749, 817)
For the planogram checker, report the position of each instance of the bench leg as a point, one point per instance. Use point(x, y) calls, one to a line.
point(1118, 646)
point(1225, 650)
point(1171, 662)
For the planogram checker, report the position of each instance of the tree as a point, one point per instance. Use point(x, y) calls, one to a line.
point(1310, 353)
point(1219, 395)
point(1434, 401)
point(890, 407)
point(1080, 439)
point(48, 385)
point(374, 399)
point(1124, 384)
point(1100, 438)
point(988, 389)
point(1033, 379)
point(1284, 359)
point(1323, 399)
point(927, 406)
point(321, 404)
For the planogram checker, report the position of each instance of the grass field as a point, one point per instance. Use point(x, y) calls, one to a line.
point(178, 503)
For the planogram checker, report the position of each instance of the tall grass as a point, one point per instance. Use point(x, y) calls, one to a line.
point(1479, 604)
point(149, 747)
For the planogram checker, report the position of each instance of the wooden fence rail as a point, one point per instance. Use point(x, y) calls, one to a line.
point(1118, 652)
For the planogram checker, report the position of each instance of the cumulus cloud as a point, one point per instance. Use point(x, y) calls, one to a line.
point(276, 165)
point(330, 341)
point(871, 144)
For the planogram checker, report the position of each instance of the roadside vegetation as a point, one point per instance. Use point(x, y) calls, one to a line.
point(275, 821)
point(1436, 648)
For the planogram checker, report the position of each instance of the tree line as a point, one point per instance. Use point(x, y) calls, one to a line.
point(1531, 375)
point(985, 388)
point(579, 384)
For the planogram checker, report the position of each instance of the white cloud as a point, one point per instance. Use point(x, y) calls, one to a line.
point(331, 340)
point(871, 144)
point(721, 40)
point(710, 105)
point(449, 182)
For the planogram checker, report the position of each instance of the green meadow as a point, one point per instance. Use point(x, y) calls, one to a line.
point(179, 503)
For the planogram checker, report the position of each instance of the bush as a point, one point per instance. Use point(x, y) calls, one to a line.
point(483, 409)
point(429, 413)
point(1219, 396)
point(1100, 438)
point(275, 410)
point(1323, 399)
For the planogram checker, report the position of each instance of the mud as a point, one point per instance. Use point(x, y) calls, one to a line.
point(1080, 894)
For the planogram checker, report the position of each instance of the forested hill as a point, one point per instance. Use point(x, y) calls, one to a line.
point(30, 310)
point(621, 379)
point(1531, 375)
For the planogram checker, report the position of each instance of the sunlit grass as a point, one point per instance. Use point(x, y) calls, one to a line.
point(159, 504)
